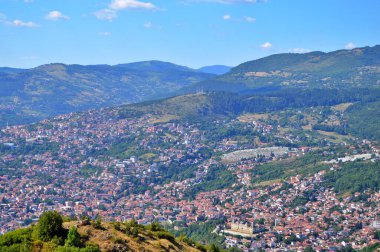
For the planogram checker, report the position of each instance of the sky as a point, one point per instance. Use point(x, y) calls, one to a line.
point(193, 33)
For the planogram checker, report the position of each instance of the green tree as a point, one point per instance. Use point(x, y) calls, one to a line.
point(132, 228)
point(214, 248)
point(73, 238)
point(309, 249)
point(49, 226)
point(377, 235)
point(97, 223)
point(155, 226)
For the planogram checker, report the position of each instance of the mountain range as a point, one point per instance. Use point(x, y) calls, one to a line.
point(28, 95)
point(33, 94)
point(359, 67)
point(215, 69)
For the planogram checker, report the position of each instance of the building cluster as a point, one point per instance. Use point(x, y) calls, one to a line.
point(102, 165)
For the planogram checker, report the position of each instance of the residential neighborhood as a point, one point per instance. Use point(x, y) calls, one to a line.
point(99, 165)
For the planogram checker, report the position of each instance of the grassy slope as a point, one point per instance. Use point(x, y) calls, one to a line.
point(109, 239)
point(106, 238)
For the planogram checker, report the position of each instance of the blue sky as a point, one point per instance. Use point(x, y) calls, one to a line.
point(194, 33)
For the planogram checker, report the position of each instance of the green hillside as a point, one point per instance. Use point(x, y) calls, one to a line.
point(364, 120)
point(203, 105)
point(34, 94)
point(339, 69)
point(52, 234)
point(276, 81)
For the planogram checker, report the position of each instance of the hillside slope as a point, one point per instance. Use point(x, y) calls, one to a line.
point(34, 94)
point(51, 234)
point(206, 105)
point(359, 67)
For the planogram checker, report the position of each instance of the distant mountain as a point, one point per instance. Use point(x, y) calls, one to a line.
point(216, 69)
point(155, 66)
point(10, 70)
point(359, 67)
point(34, 94)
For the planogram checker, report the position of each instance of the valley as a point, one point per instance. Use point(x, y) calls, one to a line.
point(283, 166)
point(125, 163)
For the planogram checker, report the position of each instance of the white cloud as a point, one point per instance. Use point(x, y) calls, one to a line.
point(20, 23)
point(229, 1)
point(106, 14)
point(116, 5)
point(227, 17)
point(16, 22)
point(350, 46)
point(134, 4)
point(266, 45)
point(250, 19)
point(300, 50)
point(56, 15)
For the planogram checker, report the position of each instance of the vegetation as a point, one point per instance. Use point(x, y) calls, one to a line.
point(58, 89)
point(316, 69)
point(73, 238)
point(308, 164)
point(23, 148)
point(50, 226)
point(372, 248)
point(202, 232)
point(218, 105)
point(53, 235)
point(354, 177)
point(218, 177)
point(364, 120)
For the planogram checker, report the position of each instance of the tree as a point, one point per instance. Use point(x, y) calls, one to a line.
point(155, 226)
point(347, 249)
point(132, 228)
point(214, 248)
point(309, 249)
point(49, 226)
point(377, 235)
point(73, 238)
point(97, 223)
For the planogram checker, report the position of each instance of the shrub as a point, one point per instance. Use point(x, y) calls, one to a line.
point(132, 228)
point(154, 226)
point(214, 248)
point(97, 223)
point(117, 226)
point(166, 235)
point(73, 238)
point(17, 236)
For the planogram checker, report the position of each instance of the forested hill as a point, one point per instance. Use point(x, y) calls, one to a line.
point(203, 105)
point(363, 119)
point(359, 67)
point(34, 94)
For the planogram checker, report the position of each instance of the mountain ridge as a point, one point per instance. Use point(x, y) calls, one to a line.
point(336, 69)
point(29, 95)
point(34, 94)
